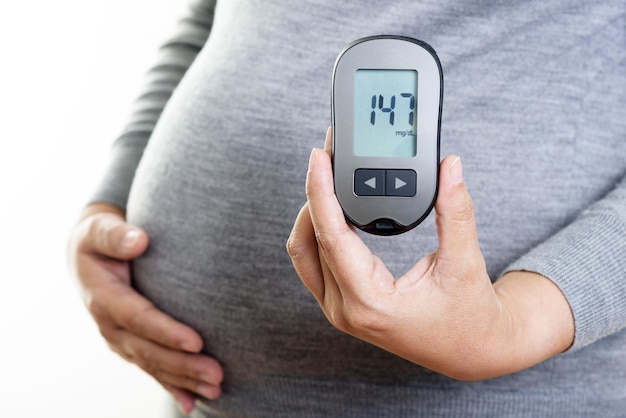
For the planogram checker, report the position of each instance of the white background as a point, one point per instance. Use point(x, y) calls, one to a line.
point(69, 70)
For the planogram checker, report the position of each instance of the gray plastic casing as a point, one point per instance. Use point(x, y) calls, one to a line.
point(386, 215)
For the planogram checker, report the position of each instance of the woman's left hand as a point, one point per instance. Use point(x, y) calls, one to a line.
point(444, 313)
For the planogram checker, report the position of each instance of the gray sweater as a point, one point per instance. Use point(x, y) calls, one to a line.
point(213, 160)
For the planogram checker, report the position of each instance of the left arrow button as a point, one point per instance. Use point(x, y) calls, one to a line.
point(368, 182)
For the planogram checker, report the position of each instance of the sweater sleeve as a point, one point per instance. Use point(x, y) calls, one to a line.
point(587, 260)
point(174, 58)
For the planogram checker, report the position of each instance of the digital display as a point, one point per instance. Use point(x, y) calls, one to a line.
point(385, 113)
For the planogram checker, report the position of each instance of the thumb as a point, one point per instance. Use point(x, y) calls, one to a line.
point(456, 225)
point(108, 234)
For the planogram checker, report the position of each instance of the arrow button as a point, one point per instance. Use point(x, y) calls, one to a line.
point(402, 183)
point(369, 182)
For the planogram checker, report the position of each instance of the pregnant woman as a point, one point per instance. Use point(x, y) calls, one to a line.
point(511, 302)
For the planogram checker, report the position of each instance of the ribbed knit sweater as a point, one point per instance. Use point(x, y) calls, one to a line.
point(213, 160)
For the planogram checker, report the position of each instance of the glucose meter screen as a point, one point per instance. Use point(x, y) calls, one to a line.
point(385, 113)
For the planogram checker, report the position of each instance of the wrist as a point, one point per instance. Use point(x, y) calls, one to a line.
point(538, 319)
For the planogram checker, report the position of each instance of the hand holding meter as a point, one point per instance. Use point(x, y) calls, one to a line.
point(387, 95)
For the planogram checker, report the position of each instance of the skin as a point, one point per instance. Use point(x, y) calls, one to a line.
point(100, 249)
point(444, 313)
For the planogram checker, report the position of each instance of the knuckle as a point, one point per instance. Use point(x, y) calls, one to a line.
point(108, 334)
point(107, 330)
point(135, 321)
point(145, 358)
point(464, 211)
point(292, 246)
point(95, 308)
point(152, 369)
point(79, 238)
point(297, 244)
point(146, 355)
point(96, 231)
point(121, 350)
point(118, 351)
point(102, 231)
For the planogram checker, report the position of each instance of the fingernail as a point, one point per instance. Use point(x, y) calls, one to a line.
point(129, 240)
point(186, 346)
point(184, 405)
point(328, 141)
point(207, 391)
point(185, 410)
point(312, 160)
point(456, 171)
point(206, 378)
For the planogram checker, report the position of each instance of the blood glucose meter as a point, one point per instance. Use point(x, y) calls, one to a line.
point(387, 94)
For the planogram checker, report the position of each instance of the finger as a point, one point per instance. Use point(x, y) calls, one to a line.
point(182, 369)
point(347, 256)
point(333, 301)
point(109, 235)
point(420, 270)
point(185, 400)
point(131, 311)
point(196, 367)
point(302, 248)
point(328, 142)
point(195, 386)
point(197, 373)
point(456, 225)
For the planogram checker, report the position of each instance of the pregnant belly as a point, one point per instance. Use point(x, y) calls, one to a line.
point(217, 260)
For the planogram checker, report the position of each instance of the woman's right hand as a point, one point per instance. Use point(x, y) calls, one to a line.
point(100, 248)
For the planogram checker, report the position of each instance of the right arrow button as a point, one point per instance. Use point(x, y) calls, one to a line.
point(401, 183)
